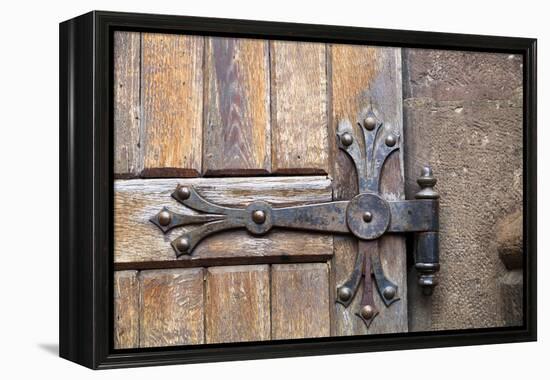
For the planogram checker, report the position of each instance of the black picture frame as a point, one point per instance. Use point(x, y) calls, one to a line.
point(86, 189)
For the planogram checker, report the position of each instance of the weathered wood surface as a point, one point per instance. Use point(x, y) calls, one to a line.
point(126, 309)
point(237, 304)
point(268, 106)
point(172, 307)
point(393, 250)
point(172, 101)
point(237, 138)
point(299, 108)
point(137, 240)
point(127, 60)
point(300, 304)
point(367, 78)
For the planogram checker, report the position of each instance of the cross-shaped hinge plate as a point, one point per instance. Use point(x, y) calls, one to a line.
point(367, 216)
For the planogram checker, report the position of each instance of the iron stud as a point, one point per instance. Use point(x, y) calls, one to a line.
point(367, 216)
point(370, 122)
point(344, 293)
point(184, 192)
point(164, 218)
point(258, 216)
point(182, 245)
point(390, 140)
point(389, 292)
point(367, 312)
point(347, 139)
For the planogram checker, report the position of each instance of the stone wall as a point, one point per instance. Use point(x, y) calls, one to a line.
point(463, 116)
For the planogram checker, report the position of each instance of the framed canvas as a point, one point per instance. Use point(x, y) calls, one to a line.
point(236, 189)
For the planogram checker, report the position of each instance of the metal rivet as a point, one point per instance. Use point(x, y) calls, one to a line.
point(347, 139)
point(184, 192)
point(370, 123)
point(164, 218)
point(367, 216)
point(258, 216)
point(390, 140)
point(389, 292)
point(344, 293)
point(367, 312)
point(182, 245)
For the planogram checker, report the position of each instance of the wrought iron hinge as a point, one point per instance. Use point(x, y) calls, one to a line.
point(367, 216)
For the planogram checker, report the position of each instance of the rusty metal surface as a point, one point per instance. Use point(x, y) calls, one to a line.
point(367, 216)
point(378, 216)
point(346, 291)
point(324, 217)
point(414, 215)
point(426, 258)
point(368, 310)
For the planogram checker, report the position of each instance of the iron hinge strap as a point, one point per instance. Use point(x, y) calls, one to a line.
point(367, 216)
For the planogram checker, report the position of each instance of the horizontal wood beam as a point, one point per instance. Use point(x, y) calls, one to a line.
point(139, 244)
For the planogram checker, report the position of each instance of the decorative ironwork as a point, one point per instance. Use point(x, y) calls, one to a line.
point(367, 216)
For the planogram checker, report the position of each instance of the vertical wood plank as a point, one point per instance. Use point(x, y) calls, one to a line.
point(172, 98)
point(126, 309)
point(237, 125)
point(237, 304)
point(300, 306)
point(171, 311)
point(127, 60)
point(393, 253)
point(299, 108)
point(367, 78)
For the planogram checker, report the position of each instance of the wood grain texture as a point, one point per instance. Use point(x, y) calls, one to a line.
point(393, 253)
point(367, 78)
point(127, 105)
point(171, 310)
point(137, 240)
point(126, 309)
point(237, 304)
point(300, 141)
point(300, 305)
point(237, 124)
point(172, 98)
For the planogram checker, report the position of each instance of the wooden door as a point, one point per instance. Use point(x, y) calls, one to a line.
point(243, 120)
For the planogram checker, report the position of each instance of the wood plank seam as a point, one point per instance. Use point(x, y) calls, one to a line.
point(140, 304)
point(272, 100)
point(271, 302)
point(331, 155)
point(204, 301)
point(204, 111)
point(331, 130)
point(141, 123)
